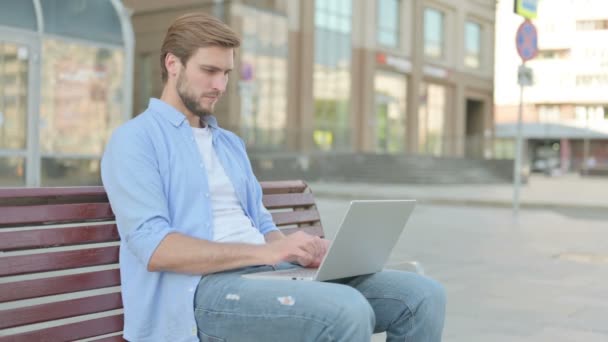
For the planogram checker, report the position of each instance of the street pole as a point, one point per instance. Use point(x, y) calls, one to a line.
point(526, 42)
point(586, 144)
point(518, 150)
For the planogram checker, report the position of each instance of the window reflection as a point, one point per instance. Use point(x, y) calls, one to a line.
point(390, 111)
point(13, 95)
point(70, 171)
point(12, 171)
point(81, 97)
point(431, 117)
point(433, 33)
point(263, 83)
point(472, 38)
point(332, 74)
point(388, 22)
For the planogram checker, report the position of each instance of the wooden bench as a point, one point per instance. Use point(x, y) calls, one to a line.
point(59, 276)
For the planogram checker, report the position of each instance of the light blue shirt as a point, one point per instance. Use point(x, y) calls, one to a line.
point(157, 184)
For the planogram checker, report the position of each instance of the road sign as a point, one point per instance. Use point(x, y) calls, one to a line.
point(526, 41)
point(526, 8)
point(525, 76)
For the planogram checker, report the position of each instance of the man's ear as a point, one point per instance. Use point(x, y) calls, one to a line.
point(173, 64)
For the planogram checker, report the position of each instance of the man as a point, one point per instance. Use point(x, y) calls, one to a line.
point(190, 215)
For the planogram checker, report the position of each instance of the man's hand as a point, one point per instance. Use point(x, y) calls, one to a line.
point(304, 249)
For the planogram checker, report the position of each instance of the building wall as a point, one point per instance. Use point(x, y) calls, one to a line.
point(570, 75)
point(571, 69)
point(344, 91)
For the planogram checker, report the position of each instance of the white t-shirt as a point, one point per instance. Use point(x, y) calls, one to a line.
point(230, 224)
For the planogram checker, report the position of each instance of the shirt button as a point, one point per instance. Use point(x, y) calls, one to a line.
point(194, 330)
point(191, 289)
point(207, 195)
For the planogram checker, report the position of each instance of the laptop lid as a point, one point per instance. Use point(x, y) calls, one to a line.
point(369, 231)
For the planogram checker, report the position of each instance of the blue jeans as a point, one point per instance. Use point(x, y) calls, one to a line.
point(405, 305)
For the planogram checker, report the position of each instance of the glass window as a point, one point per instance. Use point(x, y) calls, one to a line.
point(592, 25)
point(263, 79)
point(19, 14)
point(70, 171)
point(433, 33)
point(147, 78)
point(472, 41)
point(13, 96)
point(431, 116)
point(548, 113)
point(12, 171)
point(90, 20)
point(555, 54)
point(390, 121)
point(332, 74)
point(81, 95)
point(388, 22)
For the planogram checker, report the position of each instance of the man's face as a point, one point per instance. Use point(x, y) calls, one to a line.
point(202, 81)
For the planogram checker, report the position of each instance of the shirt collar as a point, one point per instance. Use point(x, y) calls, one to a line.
point(173, 115)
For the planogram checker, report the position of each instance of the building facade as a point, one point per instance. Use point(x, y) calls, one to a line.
point(65, 83)
point(381, 76)
point(566, 109)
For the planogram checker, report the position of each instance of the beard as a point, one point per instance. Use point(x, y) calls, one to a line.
point(190, 101)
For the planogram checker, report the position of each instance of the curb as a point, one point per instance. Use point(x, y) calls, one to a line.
point(491, 203)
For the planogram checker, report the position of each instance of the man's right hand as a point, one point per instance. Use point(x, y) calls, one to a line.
point(304, 249)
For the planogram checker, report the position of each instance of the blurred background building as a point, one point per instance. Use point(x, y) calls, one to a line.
point(345, 78)
point(386, 90)
point(566, 110)
point(65, 84)
point(389, 76)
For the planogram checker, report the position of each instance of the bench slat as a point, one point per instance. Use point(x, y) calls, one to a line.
point(52, 192)
point(116, 338)
point(58, 310)
point(295, 217)
point(314, 230)
point(70, 332)
point(20, 215)
point(27, 289)
point(23, 264)
point(283, 187)
point(37, 238)
point(288, 200)
point(28, 207)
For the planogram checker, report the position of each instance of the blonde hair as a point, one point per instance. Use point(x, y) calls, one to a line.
point(192, 31)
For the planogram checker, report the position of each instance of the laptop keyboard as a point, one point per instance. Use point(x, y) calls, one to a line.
point(295, 272)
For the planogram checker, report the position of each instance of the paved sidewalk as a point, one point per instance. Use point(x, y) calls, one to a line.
point(538, 278)
point(560, 192)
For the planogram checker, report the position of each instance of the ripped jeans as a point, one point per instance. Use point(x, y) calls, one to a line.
point(405, 305)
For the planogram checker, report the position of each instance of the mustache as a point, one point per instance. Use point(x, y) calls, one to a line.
point(212, 94)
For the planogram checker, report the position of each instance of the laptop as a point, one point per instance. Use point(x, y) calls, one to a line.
point(369, 231)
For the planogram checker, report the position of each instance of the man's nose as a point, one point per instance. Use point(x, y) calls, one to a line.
point(219, 82)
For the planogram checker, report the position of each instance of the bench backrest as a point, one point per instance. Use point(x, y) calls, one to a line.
point(59, 277)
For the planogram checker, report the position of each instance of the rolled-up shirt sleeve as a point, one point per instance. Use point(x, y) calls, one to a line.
point(131, 176)
point(266, 224)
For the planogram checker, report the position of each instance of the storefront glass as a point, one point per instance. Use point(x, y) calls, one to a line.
point(81, 105)
point(389, 122)
point(263, 79)
point(431, 119)
point(332, 74)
